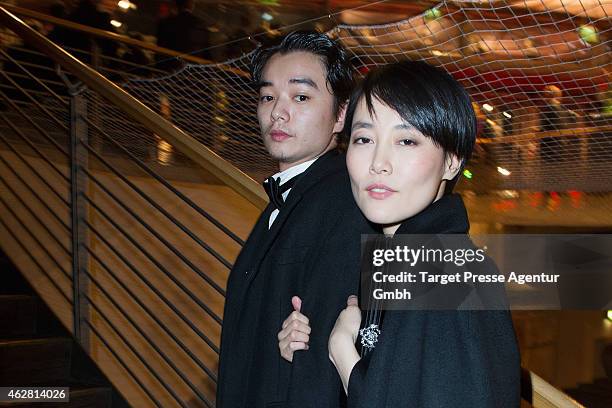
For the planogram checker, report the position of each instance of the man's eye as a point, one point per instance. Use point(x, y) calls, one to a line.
point(265, 98)
point(301, 98)
point(407, 142)
point(362, 140)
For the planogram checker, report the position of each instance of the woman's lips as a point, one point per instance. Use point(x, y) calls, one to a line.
point(379, 191)
point(278, 135)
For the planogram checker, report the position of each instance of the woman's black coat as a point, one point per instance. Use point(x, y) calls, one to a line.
point(440, 359)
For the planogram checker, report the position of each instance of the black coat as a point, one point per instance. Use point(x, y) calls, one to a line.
point(440, 359)
point(312, 250)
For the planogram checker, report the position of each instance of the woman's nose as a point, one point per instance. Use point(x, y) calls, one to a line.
point(381, 163)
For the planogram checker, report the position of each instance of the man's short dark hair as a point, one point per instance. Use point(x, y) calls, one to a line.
point(425, 97)
point(339, 73)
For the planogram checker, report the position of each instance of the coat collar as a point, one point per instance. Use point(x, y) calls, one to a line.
point(330, 163)
point(445, 216)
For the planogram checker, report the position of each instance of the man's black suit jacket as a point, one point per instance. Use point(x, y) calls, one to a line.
point(313, 251)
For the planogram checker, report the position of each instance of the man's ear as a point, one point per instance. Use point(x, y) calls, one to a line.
point(452, 165)
point(340, 118)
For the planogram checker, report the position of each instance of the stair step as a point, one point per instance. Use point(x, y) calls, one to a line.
point(90, 397)
point(17, 315)
point(26, 362)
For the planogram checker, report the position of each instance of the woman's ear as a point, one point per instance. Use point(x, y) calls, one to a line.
point(339, 125)
point(452, 165)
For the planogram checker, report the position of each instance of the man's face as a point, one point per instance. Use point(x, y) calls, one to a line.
point(296, 109)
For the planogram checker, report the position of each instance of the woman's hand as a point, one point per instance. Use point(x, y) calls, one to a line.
point(348, 322)
point(342, 351)
point(295, 332)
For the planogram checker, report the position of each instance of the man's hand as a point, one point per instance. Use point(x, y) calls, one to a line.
point(295, 332)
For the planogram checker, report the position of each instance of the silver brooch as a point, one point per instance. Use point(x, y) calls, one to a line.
point(369, 336)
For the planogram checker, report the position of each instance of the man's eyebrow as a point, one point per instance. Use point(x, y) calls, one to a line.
point(304, 81)
point(361, 125)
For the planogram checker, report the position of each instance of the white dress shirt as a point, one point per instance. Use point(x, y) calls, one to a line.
point(285, 176)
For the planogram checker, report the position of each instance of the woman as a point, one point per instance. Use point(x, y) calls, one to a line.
point(410, 128)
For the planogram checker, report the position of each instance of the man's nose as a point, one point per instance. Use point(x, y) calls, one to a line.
point(279, 111)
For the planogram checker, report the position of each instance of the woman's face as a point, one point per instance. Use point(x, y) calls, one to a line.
point(395, 170)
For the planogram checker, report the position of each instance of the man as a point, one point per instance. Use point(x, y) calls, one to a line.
point(306, 242)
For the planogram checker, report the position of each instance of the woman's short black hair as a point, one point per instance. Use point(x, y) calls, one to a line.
point(427, 98)
point(339, 73)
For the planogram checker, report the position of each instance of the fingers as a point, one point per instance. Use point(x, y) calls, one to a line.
point(298, 345)
point(292, 335)
point(294, 326)
point(296, 302)
point(295, 316)
point(352, 301)
point(287, 349)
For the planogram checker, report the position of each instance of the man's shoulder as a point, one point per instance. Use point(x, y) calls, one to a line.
point(334, 186)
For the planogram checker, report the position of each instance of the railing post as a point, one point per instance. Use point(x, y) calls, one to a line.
point(78, 159)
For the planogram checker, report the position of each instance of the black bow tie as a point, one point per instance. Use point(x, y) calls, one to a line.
point(275, 190)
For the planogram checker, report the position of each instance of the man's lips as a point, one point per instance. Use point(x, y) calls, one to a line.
point(279, 135)
point(379, 191)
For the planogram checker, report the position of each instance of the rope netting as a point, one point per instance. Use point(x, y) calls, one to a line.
point(539, 79)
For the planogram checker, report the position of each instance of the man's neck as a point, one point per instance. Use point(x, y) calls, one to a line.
point(286, 166)
point(294, 170)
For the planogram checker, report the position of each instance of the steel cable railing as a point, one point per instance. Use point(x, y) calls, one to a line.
point(139, 252)
point(67, 228)
point(161, 353)
point(36, 172)
point(40, 200)
point(160, 266)
point(40, 245)
point(25, 183)
point(147, 309)
point(166, 214)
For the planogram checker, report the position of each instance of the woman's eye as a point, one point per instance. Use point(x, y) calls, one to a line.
point(265, 98)
point(301, 98)
point(362, 140)
point(407, 142)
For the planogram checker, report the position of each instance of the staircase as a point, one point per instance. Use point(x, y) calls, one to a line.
point(37, 351)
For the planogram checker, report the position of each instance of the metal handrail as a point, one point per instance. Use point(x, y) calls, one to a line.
point(138, 162)
point(227, 173)
point(30, 117)
point(546, 395)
